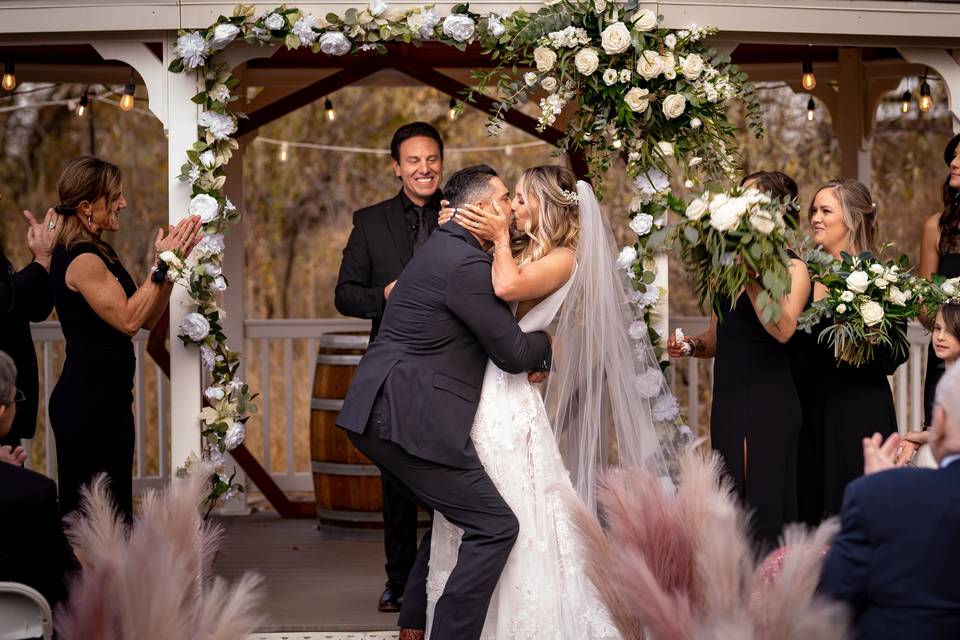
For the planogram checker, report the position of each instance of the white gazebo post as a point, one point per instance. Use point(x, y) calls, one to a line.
point(855, 115)
point(185, 382)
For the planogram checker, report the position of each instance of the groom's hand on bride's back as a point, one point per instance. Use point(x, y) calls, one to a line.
point(536, 377)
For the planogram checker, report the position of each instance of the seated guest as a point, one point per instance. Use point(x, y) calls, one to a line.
point(33, 548)
point(895, 560)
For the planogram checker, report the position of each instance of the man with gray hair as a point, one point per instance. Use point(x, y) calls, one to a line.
point(895, 560)
point(33, 548)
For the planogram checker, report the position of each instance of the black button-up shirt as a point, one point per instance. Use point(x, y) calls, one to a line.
point(431, 210)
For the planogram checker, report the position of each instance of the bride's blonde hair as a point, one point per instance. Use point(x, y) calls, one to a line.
point(555, 188)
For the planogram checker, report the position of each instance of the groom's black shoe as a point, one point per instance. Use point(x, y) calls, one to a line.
point(391, 598)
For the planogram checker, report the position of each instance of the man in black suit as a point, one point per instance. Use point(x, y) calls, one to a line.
point(33, 548)
point(25, 296)
point(895, 560)
point(384, 238)
point(412, 401)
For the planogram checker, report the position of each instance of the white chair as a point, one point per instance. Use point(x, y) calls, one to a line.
point(24, 613)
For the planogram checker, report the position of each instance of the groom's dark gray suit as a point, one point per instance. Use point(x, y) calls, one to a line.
point(411, 405)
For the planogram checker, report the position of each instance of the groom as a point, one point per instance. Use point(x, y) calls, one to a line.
point(413, 398)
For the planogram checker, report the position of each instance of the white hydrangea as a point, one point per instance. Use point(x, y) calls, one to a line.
point(649, 382)
point(234, 437)
point(665, 408)
point(211, 245)
point(568, 38)
point(214, 394)
point(220, 93)
point(495, 26)
point(192, 48)
point(219, 284)
point(627, 257)
point(377, 7)
point(638, 328)
point(653, 182)
point(304, 29)
point(220, 125)
point(208, 357)
point(430, 19)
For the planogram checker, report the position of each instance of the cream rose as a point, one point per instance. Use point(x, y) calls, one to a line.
point(626, 258)
point(644, 20)
point(674, 105)
point(544, 58)
point(763, 222)
point(858, 281)
point(615, 38)
point(897, 297)
point(205, 206)
point(877, 268)
point(669, 64)
point(847, 296)
point(727, 216)
point(872, 313)
point(650, 65)
point(586, 61)
point(665, 148)
point(696, 209)
point(841, 308)
point(691, 66)
point(636, 99)
point(610, 77)
point(549, 84)
point(641, 223)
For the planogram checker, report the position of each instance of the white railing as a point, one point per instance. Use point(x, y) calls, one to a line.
point(279, 361)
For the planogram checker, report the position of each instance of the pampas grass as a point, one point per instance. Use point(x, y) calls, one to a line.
point(679, 566)
point(153, 581)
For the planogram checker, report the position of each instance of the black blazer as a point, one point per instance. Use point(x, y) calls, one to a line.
point(377, 251)
point(25, 297)
point(441, 324)
point(33, 547)
point(895, 560)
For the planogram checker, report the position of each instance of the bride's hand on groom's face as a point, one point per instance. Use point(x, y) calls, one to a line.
point(489, 225)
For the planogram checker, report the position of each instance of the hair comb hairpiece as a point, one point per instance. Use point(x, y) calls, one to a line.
point(570, 197)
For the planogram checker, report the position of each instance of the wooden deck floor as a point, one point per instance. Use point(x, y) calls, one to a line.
point(314, 581)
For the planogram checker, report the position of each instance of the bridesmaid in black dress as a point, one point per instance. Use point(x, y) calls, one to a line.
point(841, 404)
point(755, 416)
point(100, 308)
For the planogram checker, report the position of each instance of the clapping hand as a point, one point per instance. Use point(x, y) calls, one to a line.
point(12, 456)
point(880, 455)
point(181, 238)
point(42, 236)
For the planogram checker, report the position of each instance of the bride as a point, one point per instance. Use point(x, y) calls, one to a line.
point(600, 405)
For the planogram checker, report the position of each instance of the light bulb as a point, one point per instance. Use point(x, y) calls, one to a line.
point(811, 106)
point(82, 107)
point(905, 102)
point(508, 150)
point(808, 80)
point(330, 112)
point(925, 102)
point(126, 102)
point(9, 78)
point(453, 110)
point(284, 151)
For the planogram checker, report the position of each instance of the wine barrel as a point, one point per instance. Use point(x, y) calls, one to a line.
point(346, 483)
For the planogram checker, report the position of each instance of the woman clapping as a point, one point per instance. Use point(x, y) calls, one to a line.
point(100, 309)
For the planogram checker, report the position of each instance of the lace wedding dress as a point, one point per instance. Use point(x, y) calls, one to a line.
point(543, 591)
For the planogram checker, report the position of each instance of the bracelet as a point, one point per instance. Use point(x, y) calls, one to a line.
point(158, 273)
point(496, 247)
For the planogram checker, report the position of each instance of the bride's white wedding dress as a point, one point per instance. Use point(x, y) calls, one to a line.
point(543, 591)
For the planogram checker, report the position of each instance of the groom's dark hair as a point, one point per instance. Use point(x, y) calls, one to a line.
point(469, 185)
point(413, 130)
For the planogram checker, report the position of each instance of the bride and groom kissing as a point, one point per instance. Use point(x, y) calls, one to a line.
point(443, 404)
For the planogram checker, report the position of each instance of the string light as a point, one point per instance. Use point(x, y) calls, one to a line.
point(284, 151)
point(811, 106)
point(453, 110)
point(329, 111)
point(808, 80)
point(905, 101)
point(9, 77)
point(84, 103)
point(126, 102)
point(926, 102)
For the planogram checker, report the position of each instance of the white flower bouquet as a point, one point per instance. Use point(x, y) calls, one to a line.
point(727, 239)
point(870, 301)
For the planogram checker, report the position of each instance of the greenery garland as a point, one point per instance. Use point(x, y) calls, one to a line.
point(655, 98)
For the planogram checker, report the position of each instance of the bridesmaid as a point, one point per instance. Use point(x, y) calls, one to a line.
point(842, 404)
point(755, 417)
point(940, 253)
point(100, 308)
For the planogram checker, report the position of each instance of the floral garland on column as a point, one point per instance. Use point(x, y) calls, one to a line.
point(655, 97)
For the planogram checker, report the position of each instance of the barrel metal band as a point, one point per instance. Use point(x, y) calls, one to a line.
point(344, 341)
point(329, 358)
point(341, 469)
point(326, 404)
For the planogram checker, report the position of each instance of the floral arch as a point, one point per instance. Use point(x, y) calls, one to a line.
point(654, 97)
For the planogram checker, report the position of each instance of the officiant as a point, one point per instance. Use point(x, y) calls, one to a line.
point(384, 238)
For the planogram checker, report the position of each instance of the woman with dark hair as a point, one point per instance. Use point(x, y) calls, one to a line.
point(100, 309)
point(755, 418)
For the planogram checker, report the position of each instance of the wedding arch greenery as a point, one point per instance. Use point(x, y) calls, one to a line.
point(656, 98)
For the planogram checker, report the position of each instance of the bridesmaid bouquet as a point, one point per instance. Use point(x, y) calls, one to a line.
point(727, 239)
point(870, 302)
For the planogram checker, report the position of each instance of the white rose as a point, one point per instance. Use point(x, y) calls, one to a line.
point(234, 437)
point(881, 283)
point(415, 22)
point(665, 148)
point(762, 221)
point(214, 393)
point(219, 284)
point(670, 41)
point(841, 308)
point(549, 84)
point(494, 26)
point(641, 223)
point(950, 287)
point(638, 328)
point(897, 297)
point(644, 20)
point(204, 206)
point(223, 34)
point(674, 105)
point(208, 357)
point(599, 5)
point(208, 159)
point(172, 260)
point(377, 7)
point(626, 258)
point(695, 123)
point(858, 281)
point(649, 382)
point(876, 268)
point(694, 161)
point(530, 78)
point(615, 38)
point(650, 65)
point(847, 296)
point(195, 326)
point(669, 64)
point(636, 99)
point(610, 77)
point(586, 61)
point(625, 75)
point(696, 209)
point(692, 66)
point(718, 201)
point(334, 43)
point(275, 22)
point(212, 269)
point(459, 27)
point(544, 59)
point(727, 216)
point(871, 312)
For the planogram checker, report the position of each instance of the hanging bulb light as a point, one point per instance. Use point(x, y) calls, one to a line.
point(508, 150)
point(330, 112)
point(126, 102)
point(84, 103)
point(9, 77)
point(808, 80)
point(925, 102)
point(284, 151)
point(905, 101)
point(811, 107)
point(452, 114)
